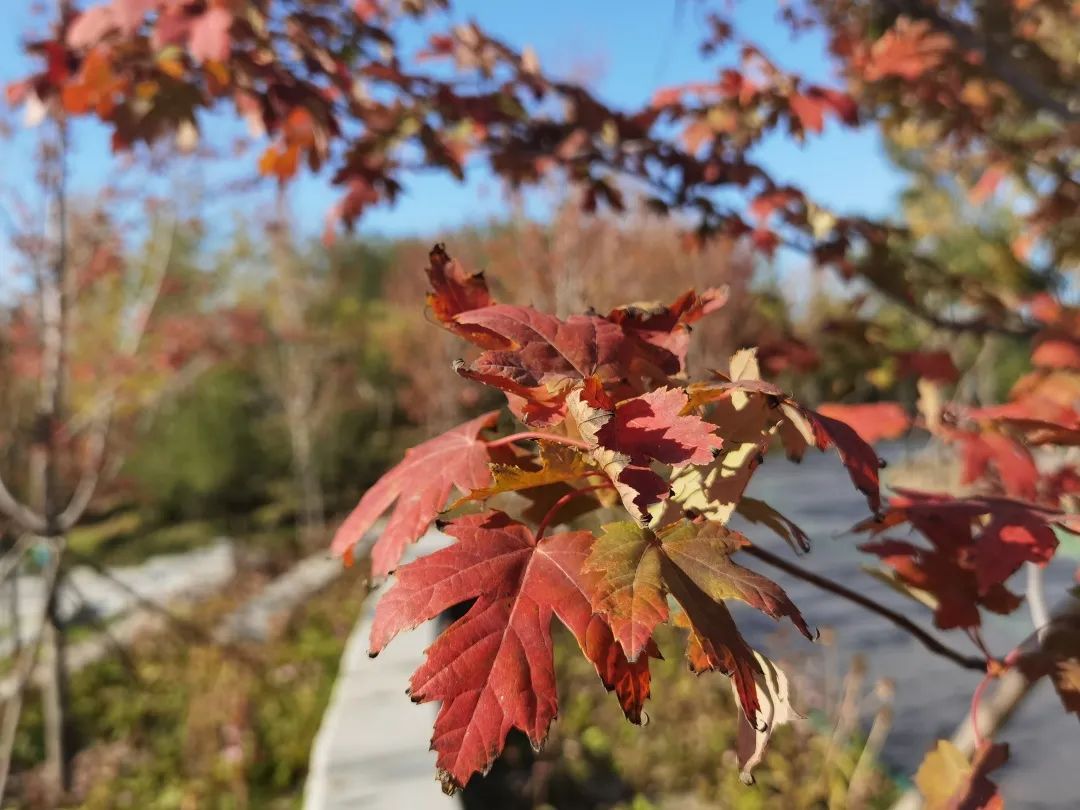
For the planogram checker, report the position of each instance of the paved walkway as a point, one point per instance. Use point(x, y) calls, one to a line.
point(371, 752)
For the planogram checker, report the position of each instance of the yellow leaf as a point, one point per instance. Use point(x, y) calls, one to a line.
point(171, 66)
point(146, 90)
point(942, 774)
point(558, 464)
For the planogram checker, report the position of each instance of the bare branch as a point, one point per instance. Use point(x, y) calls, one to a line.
point(10, 561)
point(903, 622)
point(129, 346)
point(25, 517)
point(1036, 599)
point(88, 482)
point(188, 630)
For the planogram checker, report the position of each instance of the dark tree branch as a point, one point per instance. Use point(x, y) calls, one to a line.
point(900, 621)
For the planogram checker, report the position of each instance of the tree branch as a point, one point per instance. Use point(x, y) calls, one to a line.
point(187, 630)
point(1036, 599)
point(994, 712)
point(928, 641)
point(535, 435)
point(10, 561)
point(99, 430)
point(26, 518)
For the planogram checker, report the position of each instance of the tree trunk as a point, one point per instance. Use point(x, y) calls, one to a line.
point(55, 298)
point(55, 704)
point(308, 480)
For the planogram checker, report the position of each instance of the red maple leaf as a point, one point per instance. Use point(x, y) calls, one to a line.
point(545, 356)
point(652, 426)
point(874, 421)
point(1057, 354)
point(626, 439)
point(90, 27)
point(1008, 541)
point(775, 199)
point(908, 50)
point(667, 328)
point(862, 463)
point(420, 485)
point(493, 669)
point(768, 408)
point(209, 39)
point(631, 570)
point(366, 9)
point(129, 14)
point(453, 292)
point(948, 576)
point(1013, 463)
point(937, 366)
point(976, 545)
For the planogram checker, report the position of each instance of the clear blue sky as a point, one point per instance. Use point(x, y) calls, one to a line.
point(627, 49)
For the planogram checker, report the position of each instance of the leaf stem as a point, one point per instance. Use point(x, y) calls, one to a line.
point(559, 504)
point(537, 435)
point(932, 644)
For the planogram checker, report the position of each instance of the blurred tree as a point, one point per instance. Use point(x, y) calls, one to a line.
point(317, 306)
point(97, 333)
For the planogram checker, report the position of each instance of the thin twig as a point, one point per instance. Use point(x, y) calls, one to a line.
point(102, 421)
point(535, 435)
point(932, 644)
point(105, 630)
point(994, 711)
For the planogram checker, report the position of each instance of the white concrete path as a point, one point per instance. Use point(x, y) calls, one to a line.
point(371, 752)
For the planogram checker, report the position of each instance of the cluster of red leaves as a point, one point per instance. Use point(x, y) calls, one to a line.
point(976, 544)
point(1041, 409)
point(1021, 484)
point(616, 420)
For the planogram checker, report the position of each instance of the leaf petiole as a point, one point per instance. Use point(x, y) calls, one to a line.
point(536, 435)
point(565, 499)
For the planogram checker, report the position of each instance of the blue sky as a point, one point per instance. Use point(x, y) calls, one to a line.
point(625, 49)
